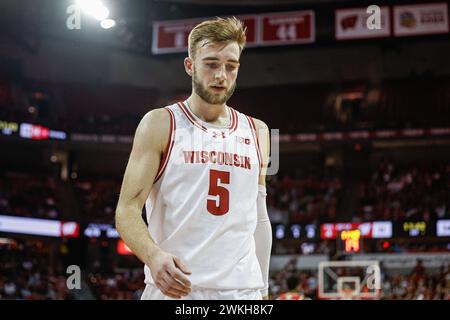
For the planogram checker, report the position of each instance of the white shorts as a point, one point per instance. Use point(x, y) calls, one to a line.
point(197, 293)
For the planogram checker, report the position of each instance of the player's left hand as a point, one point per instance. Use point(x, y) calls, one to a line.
point(169, 274)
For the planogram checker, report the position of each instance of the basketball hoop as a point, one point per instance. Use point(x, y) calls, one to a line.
point(347, 291)
point(348, 294)
point(349, 280)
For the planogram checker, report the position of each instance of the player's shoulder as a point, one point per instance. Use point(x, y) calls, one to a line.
point(155, 120)
point(263, 134)
point(155, 117)
point(259, 124)
point(154, 126)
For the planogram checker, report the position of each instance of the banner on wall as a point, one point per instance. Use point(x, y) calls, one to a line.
point(287, 28)
point(277, 28)
point(171, 36)
point(352, 24)
point(40, 227)
point(420, 19)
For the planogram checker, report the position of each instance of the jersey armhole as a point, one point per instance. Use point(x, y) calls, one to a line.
point(255, 137)
point(169, 146)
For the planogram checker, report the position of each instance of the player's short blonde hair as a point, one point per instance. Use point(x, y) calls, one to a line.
point(219, 30)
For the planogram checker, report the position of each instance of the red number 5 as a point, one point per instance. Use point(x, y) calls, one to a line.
point(221, 192)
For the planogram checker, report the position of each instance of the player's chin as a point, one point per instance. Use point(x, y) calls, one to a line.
point(218, 98)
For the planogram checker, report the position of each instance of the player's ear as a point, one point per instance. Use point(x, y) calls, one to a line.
point(189, 66)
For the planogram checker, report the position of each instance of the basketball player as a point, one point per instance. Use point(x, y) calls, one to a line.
point(199, 167)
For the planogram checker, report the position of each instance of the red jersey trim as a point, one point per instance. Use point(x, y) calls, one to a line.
point(191, 118)
point(188, 115)
point(169, 146)
point(255, 137)
point(234, 120)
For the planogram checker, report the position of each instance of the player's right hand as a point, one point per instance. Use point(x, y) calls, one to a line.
point(168, 272)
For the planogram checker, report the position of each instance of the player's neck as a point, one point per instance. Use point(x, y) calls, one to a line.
point(213, 113)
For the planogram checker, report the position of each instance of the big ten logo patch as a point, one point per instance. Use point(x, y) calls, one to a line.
point(243, 140)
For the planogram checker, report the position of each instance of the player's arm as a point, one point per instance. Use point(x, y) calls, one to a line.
point(263, 232)
point(149, 143)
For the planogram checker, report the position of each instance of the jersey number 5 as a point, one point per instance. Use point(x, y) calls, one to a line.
point(218, 191)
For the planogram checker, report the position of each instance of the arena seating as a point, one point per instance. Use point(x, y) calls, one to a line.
point(297, 108)
point(27, 272)
point(413, 192)
point(29, 195)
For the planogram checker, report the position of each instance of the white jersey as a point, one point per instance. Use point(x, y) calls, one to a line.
point(202, 207)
